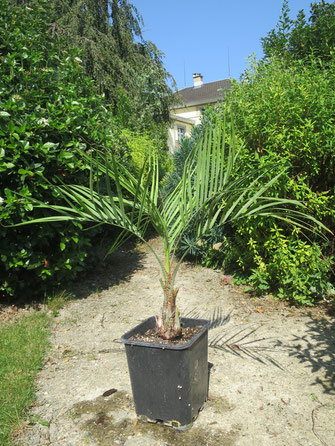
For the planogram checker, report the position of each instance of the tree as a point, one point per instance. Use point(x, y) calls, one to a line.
point(301, 38)
point(127, 69)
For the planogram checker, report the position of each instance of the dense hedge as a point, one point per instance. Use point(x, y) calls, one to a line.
point(285, 116)
point(48, 109)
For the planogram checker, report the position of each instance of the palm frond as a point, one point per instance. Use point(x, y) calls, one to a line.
point(210, 191)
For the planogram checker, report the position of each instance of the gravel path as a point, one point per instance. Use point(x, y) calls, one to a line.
point(272, 378)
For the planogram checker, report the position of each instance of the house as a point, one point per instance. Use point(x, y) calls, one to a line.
point(188, 113)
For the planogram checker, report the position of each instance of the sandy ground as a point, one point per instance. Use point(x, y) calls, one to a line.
point(272, 379)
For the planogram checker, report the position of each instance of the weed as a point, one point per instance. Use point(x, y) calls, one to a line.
point(57, 301)
point(315, 397)
point(38, 420)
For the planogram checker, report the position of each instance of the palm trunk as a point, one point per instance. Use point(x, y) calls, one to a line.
point(168, 323)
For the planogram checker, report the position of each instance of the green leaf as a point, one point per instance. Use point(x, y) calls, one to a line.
point(50, 145)
point(65, 155)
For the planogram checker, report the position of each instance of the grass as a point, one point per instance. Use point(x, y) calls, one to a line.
point(57, 301)
point(22, 348)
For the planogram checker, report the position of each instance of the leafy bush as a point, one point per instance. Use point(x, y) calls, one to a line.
point(299, 39)
point(212, 250)
point(285, 117)
point(179, 158)
point(295, 269)
point(141, 144)
point(48, 109)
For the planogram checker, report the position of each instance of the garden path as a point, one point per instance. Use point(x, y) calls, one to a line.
point(272, 379)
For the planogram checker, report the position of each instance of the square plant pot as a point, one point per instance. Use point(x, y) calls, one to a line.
point(169, 381)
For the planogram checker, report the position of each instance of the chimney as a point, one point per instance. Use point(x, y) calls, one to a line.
point(197, 80)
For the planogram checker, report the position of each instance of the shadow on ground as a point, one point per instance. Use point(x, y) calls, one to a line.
point(316, 349)
point(241, 341)
point(116, 268)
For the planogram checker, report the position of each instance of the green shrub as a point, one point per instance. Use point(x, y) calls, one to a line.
point(141, 144)
point(305, 36)
point(285, 116)
point(179, 158)
point(48, 110)
point(294, 269)
point(212, 250)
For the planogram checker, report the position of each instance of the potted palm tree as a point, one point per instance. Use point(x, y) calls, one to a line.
point(169, 373)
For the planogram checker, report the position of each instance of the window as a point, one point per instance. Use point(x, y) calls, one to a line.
point(181, 130)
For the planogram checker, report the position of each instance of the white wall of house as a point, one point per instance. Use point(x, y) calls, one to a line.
point(193, 113)
point(189, 116)
point(177, 130)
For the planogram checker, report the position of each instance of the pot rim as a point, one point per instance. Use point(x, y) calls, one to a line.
point(150, 322)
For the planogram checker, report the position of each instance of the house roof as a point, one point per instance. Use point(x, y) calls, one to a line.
point(205, 94)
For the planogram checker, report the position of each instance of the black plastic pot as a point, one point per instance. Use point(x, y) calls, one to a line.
point(169, 382)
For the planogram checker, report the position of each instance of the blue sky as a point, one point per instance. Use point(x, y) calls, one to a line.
point(198, 35)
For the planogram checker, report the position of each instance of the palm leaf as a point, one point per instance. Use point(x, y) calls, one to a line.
point(209, 191)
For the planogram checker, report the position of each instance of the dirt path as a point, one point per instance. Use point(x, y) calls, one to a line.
point(272, 377)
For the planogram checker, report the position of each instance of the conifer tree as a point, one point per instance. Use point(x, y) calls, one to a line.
point(127, 69)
